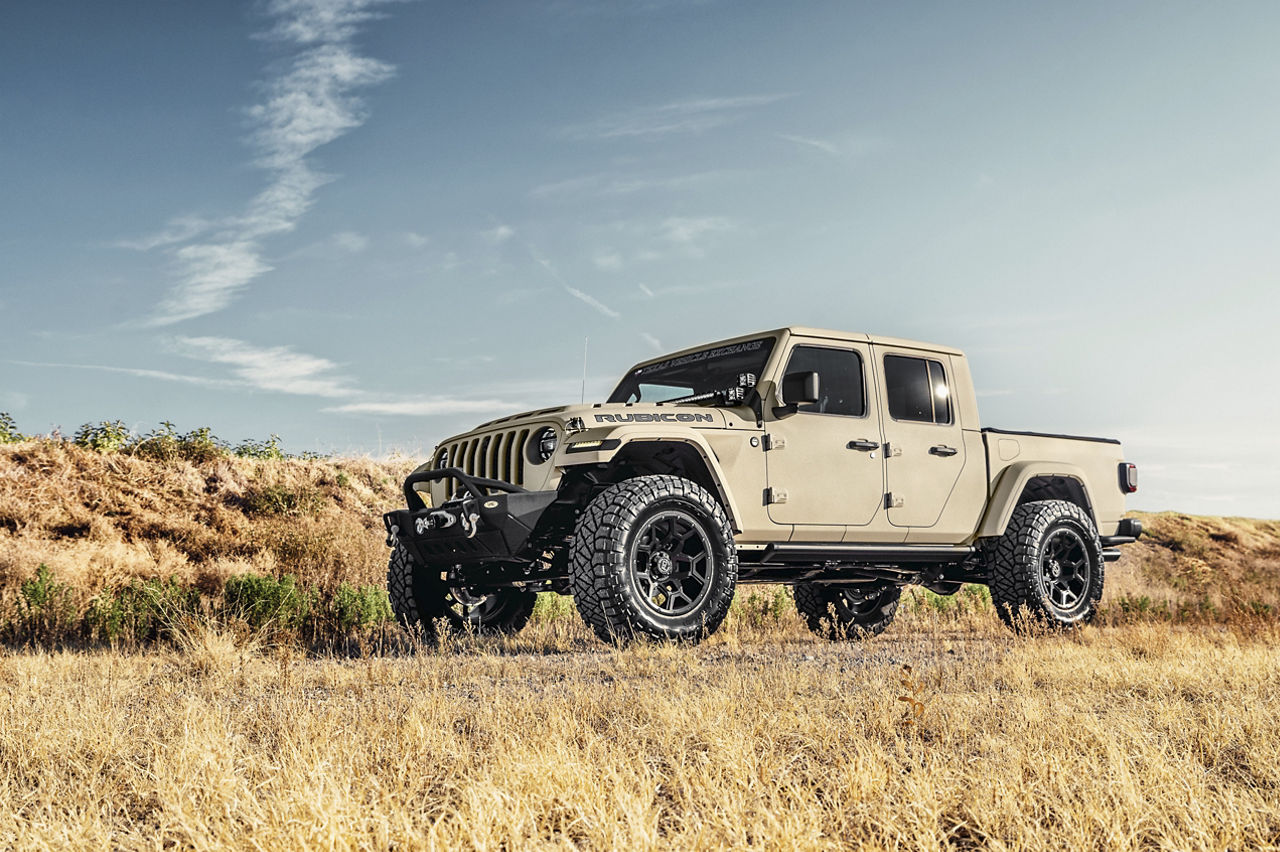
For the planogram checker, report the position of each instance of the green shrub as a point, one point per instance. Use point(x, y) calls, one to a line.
point(9, 433)
point(763, 609)
point(167, 444)
point(141, 611)
point(107, 436)
point(551, 607)
point(267, 602)
point(279, 499)
point(355, 607)
point(46, 608)
point(268, 449)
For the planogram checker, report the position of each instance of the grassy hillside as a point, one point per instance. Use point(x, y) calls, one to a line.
point(86, 531)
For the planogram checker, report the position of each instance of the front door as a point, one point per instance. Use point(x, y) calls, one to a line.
point(925, 447)
point(824, 462)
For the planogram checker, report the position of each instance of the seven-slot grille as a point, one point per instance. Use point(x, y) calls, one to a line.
point(499, 455)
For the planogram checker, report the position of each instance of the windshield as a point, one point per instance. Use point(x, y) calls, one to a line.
point(701, 372)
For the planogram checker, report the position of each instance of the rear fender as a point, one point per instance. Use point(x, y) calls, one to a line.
point(1013, 481)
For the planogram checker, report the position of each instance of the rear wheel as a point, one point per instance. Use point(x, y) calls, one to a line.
point(421, 599)
point(654, 556)
point(1048, 562)
point(847, 612)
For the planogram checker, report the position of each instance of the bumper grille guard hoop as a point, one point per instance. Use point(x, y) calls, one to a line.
point(478, 487)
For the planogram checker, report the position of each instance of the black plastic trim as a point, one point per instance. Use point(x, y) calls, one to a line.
point(793, 551)
point(1130, 527)
point(1050, 435)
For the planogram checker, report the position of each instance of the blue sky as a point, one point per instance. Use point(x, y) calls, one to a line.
point(366, 226)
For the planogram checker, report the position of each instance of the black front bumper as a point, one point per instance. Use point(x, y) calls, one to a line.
point(492, 522)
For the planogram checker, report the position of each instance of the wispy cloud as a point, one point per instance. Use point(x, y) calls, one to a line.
point(686, 230)
point(498, 234)
point(820, 144)
point(179, 230)
point(276, 368)
point(428, 406)
point(351, 242)
point(139, 373)
point(588, 299)
point(308, 105)
point(688, 116)
point(653, 342)
point(613, 185)
point(610, 261)
point(585, 298)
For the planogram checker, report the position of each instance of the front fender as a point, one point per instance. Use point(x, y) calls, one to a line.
point(630, 441)
point(1013, 481)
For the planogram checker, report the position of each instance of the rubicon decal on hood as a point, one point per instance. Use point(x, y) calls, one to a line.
point(654, 418)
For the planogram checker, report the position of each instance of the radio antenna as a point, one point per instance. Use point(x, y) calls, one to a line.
point(585, 340)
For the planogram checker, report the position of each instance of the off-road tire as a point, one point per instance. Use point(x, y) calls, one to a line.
point(617, 547)
point(847, 612)
point(1032, 566)
point(422, 600)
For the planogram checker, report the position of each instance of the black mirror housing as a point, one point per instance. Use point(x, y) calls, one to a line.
point(800, 388)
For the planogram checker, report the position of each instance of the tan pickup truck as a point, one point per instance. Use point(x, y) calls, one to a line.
point(846, 465)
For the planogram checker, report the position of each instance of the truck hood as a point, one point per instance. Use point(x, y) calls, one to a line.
point(603, 415)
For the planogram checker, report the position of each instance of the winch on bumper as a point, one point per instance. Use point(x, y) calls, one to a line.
point(477, 528)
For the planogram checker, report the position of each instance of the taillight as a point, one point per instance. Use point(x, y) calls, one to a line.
point(1128, 477)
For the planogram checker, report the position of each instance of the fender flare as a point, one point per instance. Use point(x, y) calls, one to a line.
point(705, 453)
point(1013, 481)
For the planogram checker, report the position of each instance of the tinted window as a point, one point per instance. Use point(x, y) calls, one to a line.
point(840, 385)
point(917, 389)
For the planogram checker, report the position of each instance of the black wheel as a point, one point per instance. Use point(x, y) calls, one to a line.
point(421, 598)
point(653, 556)
point(847, 612)
point(1049, 561)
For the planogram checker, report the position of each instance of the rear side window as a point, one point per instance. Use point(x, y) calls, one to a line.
point(917, 389)
point(839, 379)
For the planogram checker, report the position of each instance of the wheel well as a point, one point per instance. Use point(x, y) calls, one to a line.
point(642, 458)
point(1056, 488)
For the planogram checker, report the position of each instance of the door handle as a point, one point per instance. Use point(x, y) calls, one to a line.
point(865, 446)
point(943, 450)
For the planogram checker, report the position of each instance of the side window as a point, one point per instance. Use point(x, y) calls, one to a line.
point(839, 379)
point(917, 389)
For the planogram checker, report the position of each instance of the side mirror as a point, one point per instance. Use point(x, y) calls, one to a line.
point(800, 388)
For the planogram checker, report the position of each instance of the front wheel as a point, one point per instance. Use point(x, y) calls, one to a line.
point(1048, 563)
point(847, 612)
point(422, 599)
point(654, 556)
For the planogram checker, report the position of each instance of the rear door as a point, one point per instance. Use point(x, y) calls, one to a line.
point(824, 463)
point(924, 444)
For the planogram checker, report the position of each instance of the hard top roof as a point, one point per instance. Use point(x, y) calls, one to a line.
point(806, 331)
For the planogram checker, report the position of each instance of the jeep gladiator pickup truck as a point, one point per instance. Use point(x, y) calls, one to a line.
point(845, 465)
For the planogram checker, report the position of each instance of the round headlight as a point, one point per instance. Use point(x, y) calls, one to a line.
point(543, 445)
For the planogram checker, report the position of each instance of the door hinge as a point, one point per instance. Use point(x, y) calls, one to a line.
point(892, 450)
point(775, 495)
point(893, 501)
point(774, 442)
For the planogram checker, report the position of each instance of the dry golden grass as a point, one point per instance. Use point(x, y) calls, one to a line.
point(99, 520)
point(1135, 737)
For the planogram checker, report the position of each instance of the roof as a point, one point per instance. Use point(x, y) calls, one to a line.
point(806, 331)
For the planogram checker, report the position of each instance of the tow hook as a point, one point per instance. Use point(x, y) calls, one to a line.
point(470, 523)
point(393, 535)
